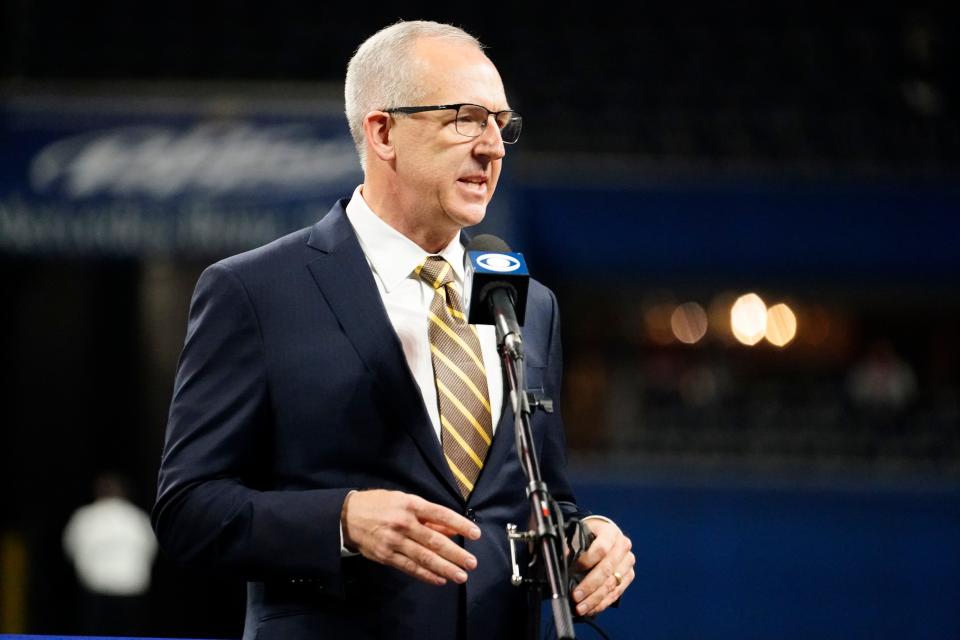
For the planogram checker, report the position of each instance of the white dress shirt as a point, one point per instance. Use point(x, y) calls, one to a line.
point(392, 258)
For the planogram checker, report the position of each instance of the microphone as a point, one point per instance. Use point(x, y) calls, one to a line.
point(495, 292)
point(495, 289)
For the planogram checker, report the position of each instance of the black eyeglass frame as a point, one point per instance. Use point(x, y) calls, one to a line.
point(515, 117)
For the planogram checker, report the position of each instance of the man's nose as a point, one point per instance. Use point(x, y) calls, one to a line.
point(490, 141)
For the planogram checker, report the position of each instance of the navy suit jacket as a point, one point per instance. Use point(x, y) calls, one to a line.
point(293, 389)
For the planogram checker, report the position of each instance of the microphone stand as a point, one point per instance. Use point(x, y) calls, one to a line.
point(546, 535)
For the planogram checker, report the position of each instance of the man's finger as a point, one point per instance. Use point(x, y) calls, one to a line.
point(604, 566)
point(442, 529)
point(593, 602)
point(614, 594)
point(453, 521)
point(600, 548)
point(410, 567)
point(443, 547)
point(600, 580)
point(593, 592)
point(433, 562)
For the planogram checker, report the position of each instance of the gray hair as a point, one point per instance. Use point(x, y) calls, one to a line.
point(383, 74)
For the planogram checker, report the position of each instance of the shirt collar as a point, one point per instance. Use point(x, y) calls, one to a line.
point(393, 256)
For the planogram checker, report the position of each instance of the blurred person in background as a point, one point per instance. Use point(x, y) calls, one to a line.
point(329, 439)
point(112, 547)
point(882, 381)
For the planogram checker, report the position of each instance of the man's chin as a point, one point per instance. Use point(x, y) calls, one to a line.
point(468, 216)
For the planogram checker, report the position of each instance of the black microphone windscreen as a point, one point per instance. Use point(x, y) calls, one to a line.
point(481, 282)
point(487, 242)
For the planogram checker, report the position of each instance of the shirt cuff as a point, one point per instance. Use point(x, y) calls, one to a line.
point(601, 518)
point(344, 552)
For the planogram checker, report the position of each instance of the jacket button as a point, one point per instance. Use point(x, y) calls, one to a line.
point(471, 515)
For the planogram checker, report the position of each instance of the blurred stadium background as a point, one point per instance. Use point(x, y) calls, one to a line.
point(789, 469)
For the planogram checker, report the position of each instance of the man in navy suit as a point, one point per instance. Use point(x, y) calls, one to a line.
point(305, 450)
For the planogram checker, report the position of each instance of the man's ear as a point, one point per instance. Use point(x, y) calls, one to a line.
point(377, 127)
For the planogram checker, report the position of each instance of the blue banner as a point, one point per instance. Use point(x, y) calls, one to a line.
point(120, 175)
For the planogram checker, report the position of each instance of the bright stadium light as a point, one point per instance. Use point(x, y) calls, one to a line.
point(781, 325)
point(689, 322)
point(748, 319)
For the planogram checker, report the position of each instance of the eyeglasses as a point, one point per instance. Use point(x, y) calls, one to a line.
point(471, 120)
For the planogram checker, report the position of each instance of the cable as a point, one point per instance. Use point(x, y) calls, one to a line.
point(597, 628)
point(593, 625)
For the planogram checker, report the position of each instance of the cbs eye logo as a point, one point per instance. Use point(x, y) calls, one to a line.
point(499, 262)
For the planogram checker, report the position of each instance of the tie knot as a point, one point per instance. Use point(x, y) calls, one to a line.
point(435, 271)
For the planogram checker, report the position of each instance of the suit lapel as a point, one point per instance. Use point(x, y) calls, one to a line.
point(346, 282)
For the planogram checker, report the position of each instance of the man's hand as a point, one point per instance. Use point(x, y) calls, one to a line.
point(610, 562)
point(408, 533)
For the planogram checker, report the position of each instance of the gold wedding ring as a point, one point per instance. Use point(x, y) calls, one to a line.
point(618, 578)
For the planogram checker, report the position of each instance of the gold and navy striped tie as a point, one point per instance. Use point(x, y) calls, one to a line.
point(465, 417)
